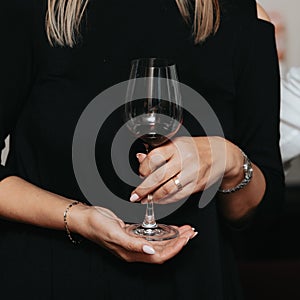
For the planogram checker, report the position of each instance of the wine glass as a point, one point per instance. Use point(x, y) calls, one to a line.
point(153, 113)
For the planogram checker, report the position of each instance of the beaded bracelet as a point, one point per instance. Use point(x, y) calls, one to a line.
point(66, 223)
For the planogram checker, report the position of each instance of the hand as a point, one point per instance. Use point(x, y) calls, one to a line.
point(103, 227)
point(196, 162)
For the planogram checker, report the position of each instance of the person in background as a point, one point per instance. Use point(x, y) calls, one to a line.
point(290, 101)
point(290, 117)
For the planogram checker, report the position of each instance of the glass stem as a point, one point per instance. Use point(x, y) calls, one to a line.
point(149, 221)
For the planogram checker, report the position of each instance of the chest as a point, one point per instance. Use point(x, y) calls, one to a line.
point(112, 35)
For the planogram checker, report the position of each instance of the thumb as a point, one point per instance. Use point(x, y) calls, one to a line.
point(141, 157)
point(148, 249)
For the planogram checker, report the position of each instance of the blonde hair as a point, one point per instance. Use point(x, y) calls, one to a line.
point(63, 19)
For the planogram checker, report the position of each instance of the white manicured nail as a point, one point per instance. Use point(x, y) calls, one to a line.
point(149, 250)
point(134, 197)
point(140, 156)
point(194, 234)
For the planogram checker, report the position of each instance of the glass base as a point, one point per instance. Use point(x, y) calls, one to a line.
point(160, 232)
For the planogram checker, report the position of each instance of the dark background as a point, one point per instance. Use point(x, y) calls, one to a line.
point(269, 256)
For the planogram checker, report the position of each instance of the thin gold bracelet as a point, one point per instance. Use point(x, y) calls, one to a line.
point(66, 223)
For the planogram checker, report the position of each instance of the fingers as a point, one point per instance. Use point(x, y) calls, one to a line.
point(175, 187)
point(177, 196)
point(179, 187)
point(107, 230)
point(164, 163)
point(156, 158)
point(168, 249)
point(133, 249)
point(141, 157)
point(187, 190)
point(160, 176)
point(140, 245)
point(191, 177)
point(187, 231)
point(134, 244)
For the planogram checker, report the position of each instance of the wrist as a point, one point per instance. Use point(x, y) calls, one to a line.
point(235, 173)
point(77, 218)
point(228, 187)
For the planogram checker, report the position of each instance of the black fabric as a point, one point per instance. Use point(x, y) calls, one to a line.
point(44, 90)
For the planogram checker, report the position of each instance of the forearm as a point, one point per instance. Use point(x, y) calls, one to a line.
point(23, 202)
point(240, 204)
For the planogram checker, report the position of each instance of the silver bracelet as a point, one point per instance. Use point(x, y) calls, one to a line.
point(75, 242)
point(248, 172)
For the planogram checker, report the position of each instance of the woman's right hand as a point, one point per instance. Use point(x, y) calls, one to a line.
point(103, 227)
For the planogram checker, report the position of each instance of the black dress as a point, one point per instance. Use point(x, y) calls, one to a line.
point(44, 90)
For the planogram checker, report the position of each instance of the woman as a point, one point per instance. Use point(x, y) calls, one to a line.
point(54, 68)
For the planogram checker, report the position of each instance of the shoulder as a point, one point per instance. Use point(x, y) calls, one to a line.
point(246, 15)
point(262, 14)
point(238, 9)
point(243, 10)
point(254, 37)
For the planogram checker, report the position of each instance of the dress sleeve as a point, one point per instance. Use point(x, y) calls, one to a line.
point(258, 110)
point(16, 67)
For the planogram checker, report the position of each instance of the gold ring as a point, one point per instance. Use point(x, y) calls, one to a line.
point(178, 184)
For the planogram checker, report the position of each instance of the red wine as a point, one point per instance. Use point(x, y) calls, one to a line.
point(155, 134)
point(153, 120)
point(153, 139)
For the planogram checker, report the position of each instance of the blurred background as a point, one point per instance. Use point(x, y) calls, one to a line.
point(285, 17)
point(269, 260)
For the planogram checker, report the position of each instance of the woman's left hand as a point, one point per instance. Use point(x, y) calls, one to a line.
point(187, 165)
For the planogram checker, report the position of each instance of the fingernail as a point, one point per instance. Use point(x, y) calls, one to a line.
point(140, 157)
point(193, 229)
point(142, 177)
point(194, 234)
point(149, 250)
point(134, 197)
point(186, 241)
